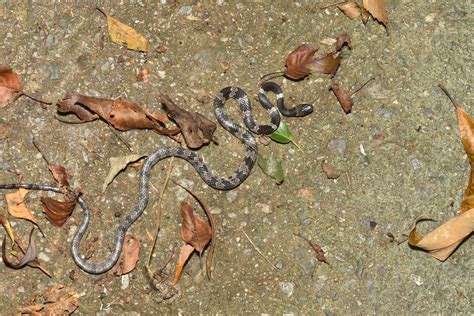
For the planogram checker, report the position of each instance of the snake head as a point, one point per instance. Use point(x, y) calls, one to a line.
point(303, 109)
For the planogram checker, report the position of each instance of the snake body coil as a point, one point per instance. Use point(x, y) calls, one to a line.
point(219, 183)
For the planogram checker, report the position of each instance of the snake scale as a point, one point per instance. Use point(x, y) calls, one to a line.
point(219, 183)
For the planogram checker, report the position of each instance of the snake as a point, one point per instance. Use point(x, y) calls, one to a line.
point(216, 182)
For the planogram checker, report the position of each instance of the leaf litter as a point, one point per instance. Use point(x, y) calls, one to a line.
point(443, 240)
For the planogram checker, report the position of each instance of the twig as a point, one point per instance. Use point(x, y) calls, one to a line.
point(158, 216)
point(258, 250)
point(40, 151)
point(442, 87)
point(363, 85)
point(331, 5)
point(129, 147)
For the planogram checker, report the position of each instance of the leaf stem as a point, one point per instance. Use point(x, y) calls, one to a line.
point(442, 87)
point(297, 146)
point(360, 88)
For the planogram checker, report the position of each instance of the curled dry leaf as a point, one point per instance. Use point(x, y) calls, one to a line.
point(121, 114)
point(56, 300)
point(57, 212)
point(194, 231)
point(130, 254)
point(17, 207)
point(121, 33)
point(29, 256)
point(190, 124)
point(378, 10)
point(6, 224)
point(9, 86)
point(343, 39)
point(443, 241)
point(60, 175)
point(318, 251)
point(212, 221)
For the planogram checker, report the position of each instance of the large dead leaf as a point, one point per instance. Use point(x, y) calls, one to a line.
point(57, 212)
point(297, 61)
point(194, 231)
point(56, 300)
point(121, 114)
point(442, 241)
point(326, 64)
point(123, 34)
point(190, 124)
point(9, 86)
point(17, 207)
point(378, 10)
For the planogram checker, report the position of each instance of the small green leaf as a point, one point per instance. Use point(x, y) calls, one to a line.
point(272, 167)
point(118, 164)
point(283, 135)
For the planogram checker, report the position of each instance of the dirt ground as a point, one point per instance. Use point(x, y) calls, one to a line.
point(398, 151)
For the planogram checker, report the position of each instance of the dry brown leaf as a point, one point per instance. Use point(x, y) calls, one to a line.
point(121, 114)
point(130, 254)
point(297, 61)
point(185, 252)
point(121, 33)
point(60, 175)
point(57, 212)
point(378, 10)
point(443, 240)
point(9, 86)
point(144, 74)
point(17, 207)
point(56, 300)
point(194, 231)
point(344, 97)
point(190, 124)
point(351, 9)
point(343, 39)
point(318, 251)
point(326, 64)
point(212, 222)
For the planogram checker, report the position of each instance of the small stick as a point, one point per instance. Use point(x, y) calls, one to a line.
point(258, 250)
point(331, 5)
point(158, 215)
point(442, 87)
point(360, 88)
point(129, 147)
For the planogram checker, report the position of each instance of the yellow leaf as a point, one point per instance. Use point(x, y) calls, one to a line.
point(6, 224)
point(121, 33)
point(17, 207)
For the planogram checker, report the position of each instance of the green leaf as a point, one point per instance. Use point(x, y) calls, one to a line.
point(118, 164)
point(283, 135)
point(272, 166)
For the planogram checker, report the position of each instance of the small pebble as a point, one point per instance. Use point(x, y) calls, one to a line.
point(43, 257)
point(187, 10)
point(55, 72)
point(231, 196)
point(265, 208)
point(124, 281)
point(287, 288)
point(48, 42)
